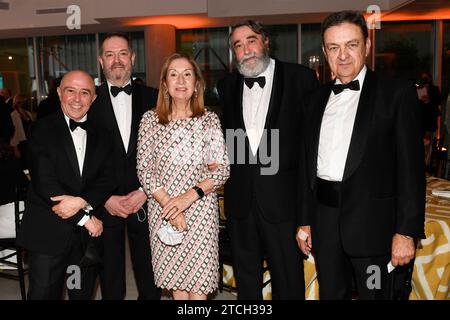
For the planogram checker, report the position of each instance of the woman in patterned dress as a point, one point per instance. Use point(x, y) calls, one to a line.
point(182, 160)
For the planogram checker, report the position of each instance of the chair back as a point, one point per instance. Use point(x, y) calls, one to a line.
point(14, 255)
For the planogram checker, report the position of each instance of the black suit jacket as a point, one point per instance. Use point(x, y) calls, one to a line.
point(12, 179)
point(276, 194)
point(383, 187)
point(102, 115)
point(6, 125)
point(54, 171)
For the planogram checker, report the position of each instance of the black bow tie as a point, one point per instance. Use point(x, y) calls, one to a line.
point(353, 85)
point(73, 125)
point(249, 82)
point(115, 90)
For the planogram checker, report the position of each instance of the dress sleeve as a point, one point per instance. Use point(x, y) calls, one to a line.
point(216, 147)
point(146, 158)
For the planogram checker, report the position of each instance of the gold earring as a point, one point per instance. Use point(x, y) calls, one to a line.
point(166, 96)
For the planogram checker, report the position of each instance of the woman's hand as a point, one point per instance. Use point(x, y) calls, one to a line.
point(179, 222)
point(179, 204)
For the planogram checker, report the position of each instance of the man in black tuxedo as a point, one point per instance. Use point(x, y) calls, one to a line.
point(363, 185)
point(261, 105)
point(119, 108)
point(70, 178)
point(6, 124)
point(6, 94)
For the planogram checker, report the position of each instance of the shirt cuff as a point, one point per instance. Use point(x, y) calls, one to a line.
point(83, 220)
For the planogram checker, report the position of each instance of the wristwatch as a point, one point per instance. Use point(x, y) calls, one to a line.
point(199, 191)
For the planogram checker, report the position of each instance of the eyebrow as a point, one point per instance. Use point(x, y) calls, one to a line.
point(335, 44)
point(249, 37)
point(190, 69)
point(119, 50)
point(83, 89)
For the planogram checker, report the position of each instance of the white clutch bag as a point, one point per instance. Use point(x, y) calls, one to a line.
point(169, 235)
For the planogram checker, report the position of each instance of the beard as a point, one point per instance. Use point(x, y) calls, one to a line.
point(259, 66)
point(117, 74)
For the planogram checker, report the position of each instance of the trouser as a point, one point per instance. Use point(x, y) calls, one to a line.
point(253, 239)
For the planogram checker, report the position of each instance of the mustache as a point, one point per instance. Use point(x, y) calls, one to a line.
point(246, 57)
point(117, 64)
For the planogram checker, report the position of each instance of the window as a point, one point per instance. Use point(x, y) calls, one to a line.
point(17, 68)
point(209, 48)
point(404, 49)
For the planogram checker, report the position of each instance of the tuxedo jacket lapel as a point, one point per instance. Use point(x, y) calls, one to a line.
point(109, 116)
point(237, 93)
point(275, 96)
point(89, 155)
point(135, 114)
point(362, 124)
point(69, 147)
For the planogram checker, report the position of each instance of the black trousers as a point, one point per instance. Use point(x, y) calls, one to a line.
point(335, 269)
point(112, 272)
point(253, 238)
point(48, 274)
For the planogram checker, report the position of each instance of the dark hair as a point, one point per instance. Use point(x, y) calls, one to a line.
point(110, 35)
point(340, 17)
point(254, 25)
point(163, 105)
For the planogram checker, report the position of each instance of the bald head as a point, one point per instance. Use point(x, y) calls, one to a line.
point(76, 93)
point(79, 75)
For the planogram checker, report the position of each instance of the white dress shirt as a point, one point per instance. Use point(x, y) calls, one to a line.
point(123, 112)
point(255, 104)
point(79, 137)
point(336, 131)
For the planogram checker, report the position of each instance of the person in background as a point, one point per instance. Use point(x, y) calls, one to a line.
point(12, 180)
point(8, 99)
point(22, 120)
point(6, 125)
point(51, 103)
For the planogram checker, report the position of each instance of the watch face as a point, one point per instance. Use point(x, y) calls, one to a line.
point(199, 191)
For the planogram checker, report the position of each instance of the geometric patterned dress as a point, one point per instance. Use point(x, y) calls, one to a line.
point(175, 156)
